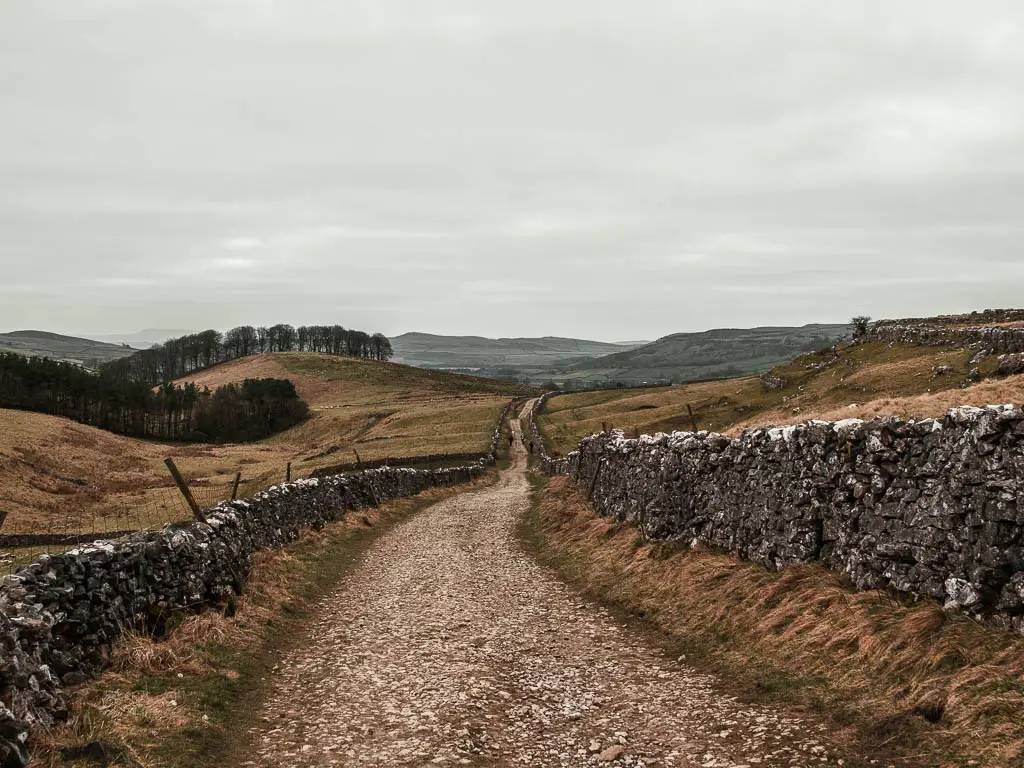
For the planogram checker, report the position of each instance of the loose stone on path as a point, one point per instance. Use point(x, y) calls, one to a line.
point(449, 645)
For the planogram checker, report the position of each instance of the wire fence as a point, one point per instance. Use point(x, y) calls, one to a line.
point(67, 524)
point(88, 515)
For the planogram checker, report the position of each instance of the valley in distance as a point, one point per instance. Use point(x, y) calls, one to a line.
point(567, 363)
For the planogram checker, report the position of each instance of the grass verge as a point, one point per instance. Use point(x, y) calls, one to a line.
point(902, 683)
point(193, 699)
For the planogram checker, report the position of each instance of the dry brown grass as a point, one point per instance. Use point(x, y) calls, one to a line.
point(991, 392)
point(860, 381)
point(60, 476)
point(871, 662)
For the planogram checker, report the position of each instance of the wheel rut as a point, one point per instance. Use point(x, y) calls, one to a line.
point(449, 645)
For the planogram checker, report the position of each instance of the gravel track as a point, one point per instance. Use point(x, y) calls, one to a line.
point(450, 646)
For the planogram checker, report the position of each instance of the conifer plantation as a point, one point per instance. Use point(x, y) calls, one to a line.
point(251, 410)
point(136, 395)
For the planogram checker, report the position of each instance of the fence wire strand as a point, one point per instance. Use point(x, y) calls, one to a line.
point(65, 528)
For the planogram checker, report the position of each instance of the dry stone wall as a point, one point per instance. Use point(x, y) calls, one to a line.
point(414, 462)
point(981, 317)
point(549, 464)
point(931, 507)
point(60, 615)
point(993, 338)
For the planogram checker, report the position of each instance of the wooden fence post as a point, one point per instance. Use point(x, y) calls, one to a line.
point(183, 487)
point(693, 419)
point(288, 473)
point(234, 486)
point(359, 462)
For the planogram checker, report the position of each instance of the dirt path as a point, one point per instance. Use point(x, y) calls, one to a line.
point(451, 646)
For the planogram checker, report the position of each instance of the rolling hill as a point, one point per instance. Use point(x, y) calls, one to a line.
point(145, 338)
point(476, 352)
point(855, 380)
point(58, 476)
point(55, 346)
point(720, 353)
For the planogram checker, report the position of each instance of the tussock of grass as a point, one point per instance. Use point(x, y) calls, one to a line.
point(879, 667)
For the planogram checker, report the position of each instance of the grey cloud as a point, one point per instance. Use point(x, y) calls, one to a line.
point(605, 169)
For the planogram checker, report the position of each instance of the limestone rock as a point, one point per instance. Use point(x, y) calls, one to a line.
point(612, 753)
point(1010, 364)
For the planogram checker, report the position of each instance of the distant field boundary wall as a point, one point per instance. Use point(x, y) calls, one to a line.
point(388, 462)
point(60, 614)
point(549, 464)
point(431, 458)
point(933, 508)
point(982, 317)
point(991, 338)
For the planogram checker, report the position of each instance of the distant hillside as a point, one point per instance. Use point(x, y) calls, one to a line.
point(720, 353)
point(476, 352)
point(576, 363)
point(56, 474)
point(852, 381)
point(326, 380)
point(145, 338)
point(57, 347)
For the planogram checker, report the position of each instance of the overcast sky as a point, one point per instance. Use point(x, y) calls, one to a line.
point(610, 169)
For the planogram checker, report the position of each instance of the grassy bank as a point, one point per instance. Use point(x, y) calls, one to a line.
point(859, 380)
point(907, 684)
point(58, 476)
point(193, 699)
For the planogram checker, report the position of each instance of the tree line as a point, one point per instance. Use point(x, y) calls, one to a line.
point(251, 410)
point(186, 354)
